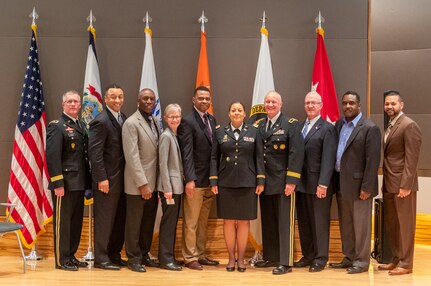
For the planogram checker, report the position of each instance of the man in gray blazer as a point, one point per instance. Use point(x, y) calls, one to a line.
point(356, 166)
point(140, 145)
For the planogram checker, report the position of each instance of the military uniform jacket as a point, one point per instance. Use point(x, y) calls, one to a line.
point(283, 154)
point(66, 152)
point(237, 163)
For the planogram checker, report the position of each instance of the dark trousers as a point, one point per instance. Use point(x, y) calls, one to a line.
point(314, 218)
point(168, 229)
point(68, 213)
point(140, 219)
point(400, 221)
point(109, 220)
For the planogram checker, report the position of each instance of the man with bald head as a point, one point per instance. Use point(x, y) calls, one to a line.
point(314, 194)
point(284, 154)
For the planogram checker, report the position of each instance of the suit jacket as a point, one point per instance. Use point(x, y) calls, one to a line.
point(66, 153)
point(284, 154)
point(171, 177)
point(320, 154)
point(106, 151)
point(196, 147)
point(237, 163)
point(401, 156)
point(360, 160)
point(141, 152)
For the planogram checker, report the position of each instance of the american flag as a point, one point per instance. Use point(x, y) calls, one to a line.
point(28, 186)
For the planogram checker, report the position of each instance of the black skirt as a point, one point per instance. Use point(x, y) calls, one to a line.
point(237, 203)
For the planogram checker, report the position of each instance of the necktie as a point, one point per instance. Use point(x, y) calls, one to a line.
point(388, 130)
point(236, 133)
point(207, 126)
point(269, 125)
point(120, 119)
point(153, 127)
point(305, 129)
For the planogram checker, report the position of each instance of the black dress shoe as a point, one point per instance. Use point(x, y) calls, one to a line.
point(136, 267)
point(341, 265)
point(265, 263)
point(303, 262)
point(68, 266)
point(208, 261)
point(356, 270)
point(315, 267)
point(107, 265)
point(119, 262)
point(179, 262)
point(147, 261)
point(281, 269)
point(171, 266)
point(79, 264)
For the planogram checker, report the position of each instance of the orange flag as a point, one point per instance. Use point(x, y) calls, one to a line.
point(203, 75)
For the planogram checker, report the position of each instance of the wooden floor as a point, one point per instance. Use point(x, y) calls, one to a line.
point(43, 273)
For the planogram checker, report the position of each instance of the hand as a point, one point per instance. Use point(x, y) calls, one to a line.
point(168, 196)
point(190, 188)
point(146, 192)
point(321, 192)
point(404, 193)
point(364, 195)
point(259, 189)
point(59, 192)
point(214, 189)
point(103, 186)
point(289, 189)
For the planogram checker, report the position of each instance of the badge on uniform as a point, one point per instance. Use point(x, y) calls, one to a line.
point(279, 132)
point(282, 146)
point(72, 145)
point(248, 139)
point(225, 139)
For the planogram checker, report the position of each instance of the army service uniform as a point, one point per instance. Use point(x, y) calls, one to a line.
point(236, 168)
point(67, 160)
point(283, 159)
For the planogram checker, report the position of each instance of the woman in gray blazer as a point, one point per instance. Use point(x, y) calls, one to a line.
point(170, 186)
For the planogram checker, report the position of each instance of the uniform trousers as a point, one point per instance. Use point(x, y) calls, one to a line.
point(400, 222)
point(195, 221)
point(68, 213)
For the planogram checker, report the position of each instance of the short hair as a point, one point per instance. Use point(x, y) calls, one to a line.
point(203, 88)
point(171, 108)
point(239, 102)
point(70, 92)
point(275, 93)
point(351, 92)
point(112, 85)
point(314, 93)
point(392, 92)
point(144, 90)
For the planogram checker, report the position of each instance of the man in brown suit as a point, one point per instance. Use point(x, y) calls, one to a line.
point(401, 149)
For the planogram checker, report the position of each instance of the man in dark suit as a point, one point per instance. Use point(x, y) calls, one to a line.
point(401, 149)
point(107, 160)
point(356, 166)
point(284, 155)
point(66, 150)
point(195, 138)
point(140, 145)
point(314, 195)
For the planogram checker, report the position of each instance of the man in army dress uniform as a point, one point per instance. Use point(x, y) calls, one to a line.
point(66, 151)
point(283, 159)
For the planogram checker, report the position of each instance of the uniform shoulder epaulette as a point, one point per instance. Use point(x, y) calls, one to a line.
point(291, 120)
point(217, 127)
point(54, 122)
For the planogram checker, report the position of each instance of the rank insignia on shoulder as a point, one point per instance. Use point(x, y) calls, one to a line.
point(54, 122)
point(291, 120)
point(217, 127)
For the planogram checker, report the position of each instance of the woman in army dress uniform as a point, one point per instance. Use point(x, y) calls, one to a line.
point(237, 177)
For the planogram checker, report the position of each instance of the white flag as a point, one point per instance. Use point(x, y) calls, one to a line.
point(263, 83)
point(148, 77)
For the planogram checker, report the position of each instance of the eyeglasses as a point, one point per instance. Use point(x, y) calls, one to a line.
point(173, 117)
point(312, 103)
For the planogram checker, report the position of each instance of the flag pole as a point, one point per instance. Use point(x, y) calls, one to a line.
point(202, 20)
point(33, 255)
point(90, 255)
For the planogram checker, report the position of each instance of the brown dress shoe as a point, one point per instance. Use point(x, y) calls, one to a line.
point(194, 265)
point(400, 271)
point(389, 266)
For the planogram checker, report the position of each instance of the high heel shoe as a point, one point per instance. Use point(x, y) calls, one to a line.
point(231, 268)
point(241, 269)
